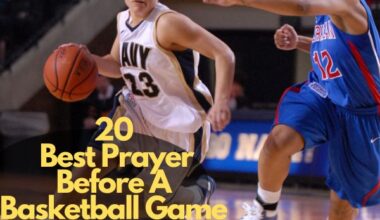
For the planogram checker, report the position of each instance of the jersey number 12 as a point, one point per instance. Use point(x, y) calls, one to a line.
point(327, 71)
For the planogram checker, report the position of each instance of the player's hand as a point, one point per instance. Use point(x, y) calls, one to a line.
point(84, 47)
point(224, 3)
point(286, 38)
point(219, 115)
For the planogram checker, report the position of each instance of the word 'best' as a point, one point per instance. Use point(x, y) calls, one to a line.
point(109, 152)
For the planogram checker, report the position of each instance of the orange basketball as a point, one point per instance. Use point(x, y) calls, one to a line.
point(70, 73)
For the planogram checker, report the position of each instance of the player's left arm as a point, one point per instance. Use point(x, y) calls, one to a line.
point(348, 15)
point(179, 33)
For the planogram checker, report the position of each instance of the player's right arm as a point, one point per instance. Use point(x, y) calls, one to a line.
point(349, 15)
point(286, 38)
point(109, 65)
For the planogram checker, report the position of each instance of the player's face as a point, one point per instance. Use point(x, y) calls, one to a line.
point(141, 7)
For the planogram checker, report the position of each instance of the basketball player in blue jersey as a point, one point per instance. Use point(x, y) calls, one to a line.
point(339, 105)
point(156, 52)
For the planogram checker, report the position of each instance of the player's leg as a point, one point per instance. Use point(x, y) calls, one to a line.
point(198, 193)
point(354, 162)
point(341, 209)
point(84, 172)
point(295, 129)
point(203, 185)
point(275, 157)
point(274, 163)
point(190, 184)
point(155, 139)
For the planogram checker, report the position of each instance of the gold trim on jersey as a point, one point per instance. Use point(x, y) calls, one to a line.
point(191, 142)
point(198, 81)
point(204, 145)
point(170, 55)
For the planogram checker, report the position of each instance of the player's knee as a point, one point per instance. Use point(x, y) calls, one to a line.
point(271, 146)
point(283, 140)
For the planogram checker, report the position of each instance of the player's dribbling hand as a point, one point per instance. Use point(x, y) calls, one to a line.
point(219, 115)
point(80, 45)
point(286, 38)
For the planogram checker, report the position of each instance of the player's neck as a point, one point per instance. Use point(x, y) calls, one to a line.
point(138, 17)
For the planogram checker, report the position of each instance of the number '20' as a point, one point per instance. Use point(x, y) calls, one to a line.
point(106, 134)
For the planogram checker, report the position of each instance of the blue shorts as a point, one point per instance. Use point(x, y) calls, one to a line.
point(352, 137)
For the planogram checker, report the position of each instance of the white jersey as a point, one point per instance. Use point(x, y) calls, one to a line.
point(165, 84)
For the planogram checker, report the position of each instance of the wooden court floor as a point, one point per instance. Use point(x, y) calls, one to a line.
point(295, 204)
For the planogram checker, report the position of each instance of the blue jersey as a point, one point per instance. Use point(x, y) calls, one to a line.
point(340, 107)
point(347, 66)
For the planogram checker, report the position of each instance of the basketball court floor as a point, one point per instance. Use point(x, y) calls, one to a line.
point(297, 204)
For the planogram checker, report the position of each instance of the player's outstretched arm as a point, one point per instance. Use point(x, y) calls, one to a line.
point(291, 7)
point(177, 32)
point(349, 15)
point(286, 38)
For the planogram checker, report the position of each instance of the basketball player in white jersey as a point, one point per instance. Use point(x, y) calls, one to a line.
point(156, 53)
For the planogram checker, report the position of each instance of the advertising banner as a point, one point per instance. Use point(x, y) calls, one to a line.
point(238, 147)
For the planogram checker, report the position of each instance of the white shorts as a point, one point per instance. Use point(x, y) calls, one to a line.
point(125, 105)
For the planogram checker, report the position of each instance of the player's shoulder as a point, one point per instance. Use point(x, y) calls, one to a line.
point(122, 15)
point(351, 16)
point(172, 19)
point(354, 8)
point(343, 7)
point(174, 27)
